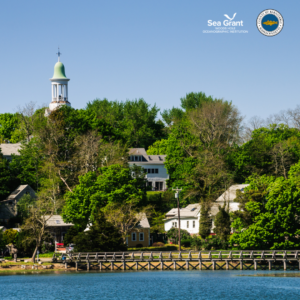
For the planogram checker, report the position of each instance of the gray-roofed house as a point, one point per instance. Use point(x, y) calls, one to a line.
point(9, 149)
point(154, 166)
point(190, 215)
point(58, 228)
point(9, 206)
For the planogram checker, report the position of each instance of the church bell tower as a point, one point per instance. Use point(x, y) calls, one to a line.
point(59, 87)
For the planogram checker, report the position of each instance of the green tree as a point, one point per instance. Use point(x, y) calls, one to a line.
point(10, 236)
point(134, 122)
point(8, 125)
point(222, 223)
point(272, 151)
point(276, 222)
point(8, 182)
point(102, 236)
point(112, 184)
point(205, 221)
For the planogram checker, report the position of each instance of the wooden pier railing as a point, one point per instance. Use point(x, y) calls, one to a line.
point(202, 260)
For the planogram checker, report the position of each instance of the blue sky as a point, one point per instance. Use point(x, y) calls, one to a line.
point(154, 50)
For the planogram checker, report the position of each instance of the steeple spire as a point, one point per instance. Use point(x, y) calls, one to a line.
point(58, 54)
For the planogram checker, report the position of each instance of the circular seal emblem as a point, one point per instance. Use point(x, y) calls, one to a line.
point(269, 22)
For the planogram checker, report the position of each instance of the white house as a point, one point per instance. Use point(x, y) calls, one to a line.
point(190, 215)
point(189, 218)
point(154, 166)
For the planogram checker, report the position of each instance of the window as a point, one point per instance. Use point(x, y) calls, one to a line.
point(152, 171)
point(133, 237)
point(57, 221)
point(141, 236)
point(194, 224)
point(193, 209)
point(136, 158)
point(174, 224)
point(187, 224)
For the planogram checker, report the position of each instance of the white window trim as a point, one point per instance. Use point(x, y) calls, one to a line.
point(141, 240)
point(133, 240)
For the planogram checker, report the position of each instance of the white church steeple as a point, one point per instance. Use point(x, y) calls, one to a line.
point(59, 87)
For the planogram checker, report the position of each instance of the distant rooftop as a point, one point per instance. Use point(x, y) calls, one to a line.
point(57, 221)
point(230, 194)
point(139, 155)
point(9, 149)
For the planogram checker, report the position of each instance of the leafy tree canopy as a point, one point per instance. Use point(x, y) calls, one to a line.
point(113, 184)
point(102, 236)
point(274, 214)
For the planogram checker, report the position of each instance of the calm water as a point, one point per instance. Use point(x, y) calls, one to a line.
point(152, 285)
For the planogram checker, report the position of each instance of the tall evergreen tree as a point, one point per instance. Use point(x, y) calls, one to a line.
point(102, 236)
point(222, 223)
point(205, 221)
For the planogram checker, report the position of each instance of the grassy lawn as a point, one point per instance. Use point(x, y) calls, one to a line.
point(154, 192)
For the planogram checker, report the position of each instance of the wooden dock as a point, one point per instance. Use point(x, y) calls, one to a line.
point(182, 260)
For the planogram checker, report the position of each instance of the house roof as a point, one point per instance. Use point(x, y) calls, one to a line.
point(230, 194)
point(137, 151)
point(147, 159)
point(17, 191)
point(57, 221)
point(233, 206)
point(144, 223)
point(9, 149)
point(191, 211)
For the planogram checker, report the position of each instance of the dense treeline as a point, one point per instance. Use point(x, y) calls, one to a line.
point(77, 161)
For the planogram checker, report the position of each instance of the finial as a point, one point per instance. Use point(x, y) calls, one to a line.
point(58, 54)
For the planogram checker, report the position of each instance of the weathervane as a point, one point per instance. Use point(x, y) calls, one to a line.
point(58, 54)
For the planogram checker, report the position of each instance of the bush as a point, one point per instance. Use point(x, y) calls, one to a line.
point(214, 243)
point(186, 243)
point(196, 242)
point(172, 234)
point(139, 246)
point(158, 244)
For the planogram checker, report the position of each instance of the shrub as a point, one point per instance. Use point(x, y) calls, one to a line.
point(196, 242)
point(186, 243)
point(214, 243)
point(139, 246)
point(172, 234)
point(158, 244)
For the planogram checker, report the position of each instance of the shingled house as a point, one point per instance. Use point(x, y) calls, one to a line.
point(9, 206)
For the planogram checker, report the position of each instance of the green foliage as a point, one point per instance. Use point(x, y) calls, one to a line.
point(205, 221)
point(101, 237)
point(8, 182)
point(274, 215)
point(271, 151)
point(195, 100)
point(9, 125)
point(27, 166)
point(173, 235)
point(113, 184)
point(10, 236)
point(133, 122)
point(69, 236)
point(222, 223)
point(214, 243)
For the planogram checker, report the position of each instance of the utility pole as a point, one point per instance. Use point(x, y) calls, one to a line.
point(177, 190)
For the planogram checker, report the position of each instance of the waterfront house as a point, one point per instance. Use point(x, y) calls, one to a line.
point(190, 215)
point(153, 165)
point(58, 228)
point(140, 234)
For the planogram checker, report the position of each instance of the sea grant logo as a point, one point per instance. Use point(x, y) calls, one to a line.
point(269, 22)
point(229, 25)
